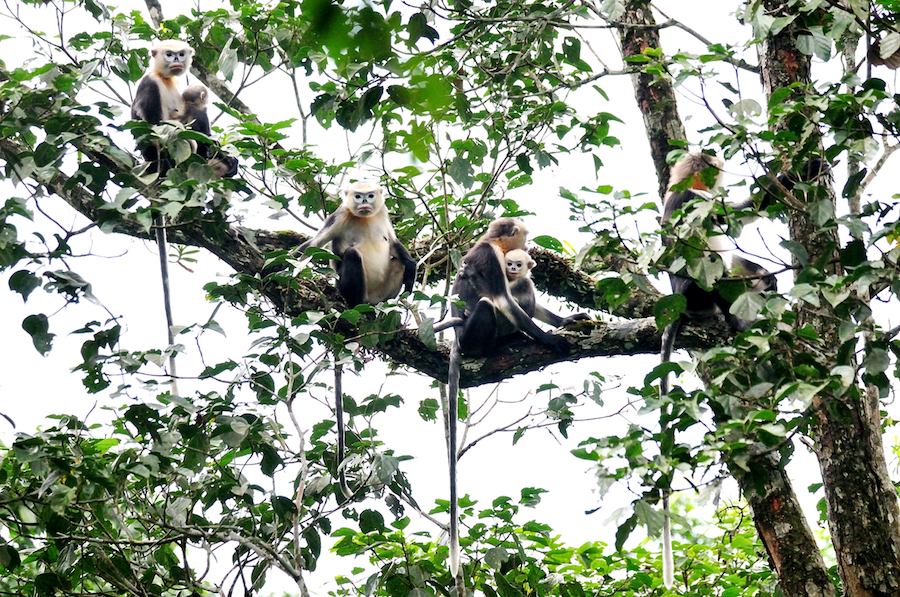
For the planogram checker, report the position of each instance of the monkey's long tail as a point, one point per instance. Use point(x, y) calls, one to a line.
point(668, 563)
point(449, 323)
point(665, 355)
point(665, 352)
point(339, 415)
point(453, 392)
point(162, 247)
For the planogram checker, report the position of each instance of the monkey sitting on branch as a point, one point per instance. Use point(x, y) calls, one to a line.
point(373, 267)
point(373, 264)
point(518, 272)
point(490, 315)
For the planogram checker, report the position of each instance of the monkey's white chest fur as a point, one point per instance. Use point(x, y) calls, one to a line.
point(171, 99)
point(718, 243)
point(373, 240)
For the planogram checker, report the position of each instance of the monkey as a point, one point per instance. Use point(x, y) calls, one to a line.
point(157, 97)
point(518, 272)
point(196, 99)
point(702, 169)
point(705, 174)
point(481, 283)
point(373, 265)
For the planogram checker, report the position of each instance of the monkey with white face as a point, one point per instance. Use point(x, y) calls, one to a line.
point(373, 265)
point(518, 272)
point(157, 97)
point(490, 314)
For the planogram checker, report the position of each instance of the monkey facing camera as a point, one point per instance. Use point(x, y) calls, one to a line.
point(373, 264)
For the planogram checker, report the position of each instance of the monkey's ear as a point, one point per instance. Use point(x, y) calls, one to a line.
point(531, 263)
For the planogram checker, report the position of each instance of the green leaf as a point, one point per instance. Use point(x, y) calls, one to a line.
point(38, 327)
point(371, 521)
point(797, 250)
point(876, 361)
point(400, 95)
point(649, 516)
point(572, 50)
point(24, 282)
point(385, 467)
point(778, 96)
point(624, 531)
point(549, 242)
point(48, 153)
point(822, 211)
point(853, 254)
point(706, 271)
point(496, 557)
point(462, 172)
point(668, 309)
point(524, 163)
point(428, 409)
point(9, 557)
point(227, 60)
point(748, 306)
point(418, 28)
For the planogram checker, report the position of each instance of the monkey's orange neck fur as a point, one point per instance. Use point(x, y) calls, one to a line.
point(699, 185)
point(505, 245)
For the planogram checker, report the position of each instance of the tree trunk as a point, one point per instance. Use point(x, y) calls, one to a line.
point(863, 510)
point(655, 95)
point(782, 527)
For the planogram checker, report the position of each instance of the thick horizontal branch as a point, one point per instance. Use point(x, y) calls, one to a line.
point(244, 250)
point(586, 339)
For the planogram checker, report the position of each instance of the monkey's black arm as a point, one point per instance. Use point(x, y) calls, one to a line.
point(147, 102)
point(409, 266)
point(511, 309)
point(449, 323)
point(551, 318)
point(325, 235)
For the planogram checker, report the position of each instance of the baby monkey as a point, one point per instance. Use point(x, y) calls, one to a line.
point(518, 272)
point(196, 100)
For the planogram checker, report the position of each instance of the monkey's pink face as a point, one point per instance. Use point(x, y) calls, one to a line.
point(365, 201)
point(513, 268)
point(176, 60)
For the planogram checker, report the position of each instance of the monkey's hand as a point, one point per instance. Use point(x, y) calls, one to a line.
point(573, 318)
point(409, 280)
point(557, 343)
point(299, 251)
